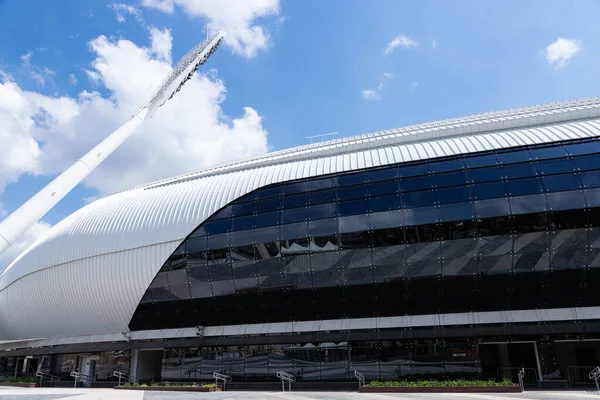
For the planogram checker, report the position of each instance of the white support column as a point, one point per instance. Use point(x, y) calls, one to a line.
point(537, 360)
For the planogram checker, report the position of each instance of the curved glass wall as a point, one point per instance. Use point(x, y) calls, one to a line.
point(504, 230)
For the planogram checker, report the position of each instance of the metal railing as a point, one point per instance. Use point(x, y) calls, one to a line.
point(360, 377)
point(529, 375)
point(47, 377)
point(79, 377)
point(285, 377)
point(595, 375)
point(578, 375)
point(120, 375)
point(221, 377)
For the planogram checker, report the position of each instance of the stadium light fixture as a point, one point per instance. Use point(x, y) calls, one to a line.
point(13, 226)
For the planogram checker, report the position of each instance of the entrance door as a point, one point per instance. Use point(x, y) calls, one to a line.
point(88, 369)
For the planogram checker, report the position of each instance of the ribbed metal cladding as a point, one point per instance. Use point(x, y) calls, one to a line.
point(89, 272)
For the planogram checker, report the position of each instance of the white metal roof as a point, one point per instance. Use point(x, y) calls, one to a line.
point(104, 256)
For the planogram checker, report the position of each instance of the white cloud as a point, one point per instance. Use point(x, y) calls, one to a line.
point(121, 10)
point(559, 53)
point(433, 44)
point(19, 152)
point(30, 236)
point(235, 17)
point(188, 133)
point(165, 6)
point(414, 85)
point(370, 95)
point(400, 41)
point(38, 74)
point(388, 75)
point(72, 80)
point(161, 43)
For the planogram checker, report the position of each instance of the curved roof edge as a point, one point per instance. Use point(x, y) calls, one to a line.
point(478, 123)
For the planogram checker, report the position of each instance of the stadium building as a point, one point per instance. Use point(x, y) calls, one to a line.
point(468, 246)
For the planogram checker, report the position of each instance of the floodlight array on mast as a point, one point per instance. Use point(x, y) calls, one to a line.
point(13, 226)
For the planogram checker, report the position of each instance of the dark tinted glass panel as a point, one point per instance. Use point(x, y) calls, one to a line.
point(585, 163)
point(491, 208)
point(458, 229)
point(352, 179)
point(216, 227)
point(592, 197)
point(515, 171)
point(448, 165)
point(353, 207)
point(567, 219)
point(583, 148)
point(266, 205)
point(243, 209)
point(514, 156)
point(243, 223)
point(295, 200)
point(565, 200)
point(382, 188)
point(530, 223)
point(481, 161)
point(485, 174)
point(417, 183)
point(386, 219)
point(450, 179)
point(292, 231)
point(322, 227)
point(532, 203)
point(267, 219)
point(355, 240)
point(322, 211)
point(455, 211)
point(482, 191)
point(455, 194)
point(272, 191)
point(556, 166)
point(421, 215)
point(224, 213)
point(387, 237)
point(381, 175)
point(422, 233)
point(384, 203)
point(195, 245)
point(519, 187)
point(352, 192)
point(557, 183)
point(239, 238)
point(413, 170)
point(321, 196)
point(549, 152)
point(495, 226)
point(566, 249)
point(316, 184)
point(353, 223)
point(590, 179)
point(294, 215)
point(418, 199)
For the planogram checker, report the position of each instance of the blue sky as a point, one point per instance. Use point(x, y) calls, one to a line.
point(317, 67)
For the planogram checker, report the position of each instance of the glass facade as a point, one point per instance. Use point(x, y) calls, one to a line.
point(325, 360)
point(507, 230)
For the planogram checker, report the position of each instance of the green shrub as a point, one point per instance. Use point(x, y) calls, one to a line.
point(431, 383)
point(19, 380)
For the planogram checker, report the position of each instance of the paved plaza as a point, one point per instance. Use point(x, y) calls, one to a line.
point(110, 394)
